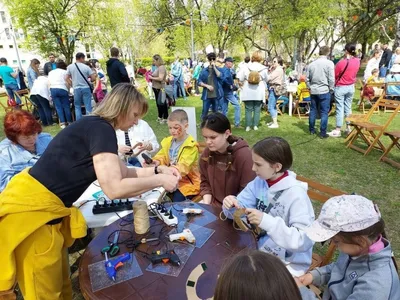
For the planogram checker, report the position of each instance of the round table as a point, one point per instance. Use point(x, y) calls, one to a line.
point(222, 245)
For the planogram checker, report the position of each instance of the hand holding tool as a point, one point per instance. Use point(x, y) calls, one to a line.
point(112, 249)
point(113, 265)
point(186, 234)
point(168, 257)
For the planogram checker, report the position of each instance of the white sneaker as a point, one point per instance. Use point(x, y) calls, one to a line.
point(335, 133)
point(248, 128)
point(273, 126)
point(63, 126)
point(270, 123)
point(255, 128)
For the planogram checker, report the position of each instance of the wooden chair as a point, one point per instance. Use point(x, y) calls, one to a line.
point(363, 97)
point(395, 137)
point(395, 83)
point(24, 96)
point(370, 132)
point(298, 107)
point(6, 107)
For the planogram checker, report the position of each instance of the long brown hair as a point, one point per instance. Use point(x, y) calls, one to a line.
point(274, 150)
point(34, 65)
point(256, 275)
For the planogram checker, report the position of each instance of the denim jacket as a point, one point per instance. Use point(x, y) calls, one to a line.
point(217, 80)
point(14, 158)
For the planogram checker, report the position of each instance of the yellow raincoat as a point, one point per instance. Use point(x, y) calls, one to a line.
point(187, 164)
point(33, 253)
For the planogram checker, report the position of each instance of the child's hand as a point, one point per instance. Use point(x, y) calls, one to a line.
point(124, 149)
point(230, 201)
point(254, 216)
point(305, 279)
point(169, 182)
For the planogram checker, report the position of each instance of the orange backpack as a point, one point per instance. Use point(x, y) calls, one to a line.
point(254, 77)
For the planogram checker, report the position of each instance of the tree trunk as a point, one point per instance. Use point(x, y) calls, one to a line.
point(397, 39)
point(364, 48)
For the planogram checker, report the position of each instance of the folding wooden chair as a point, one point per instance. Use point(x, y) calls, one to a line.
point(370, 132)
point(364, 97)
point(394, 83)
point(24, 96)
point(6, 107)
point(395, 137)
point(298, 108)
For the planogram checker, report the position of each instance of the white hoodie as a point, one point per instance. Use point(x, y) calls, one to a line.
point(285, 221)
point(252, 92)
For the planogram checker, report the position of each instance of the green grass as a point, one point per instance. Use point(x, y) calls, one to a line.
point(327, 161)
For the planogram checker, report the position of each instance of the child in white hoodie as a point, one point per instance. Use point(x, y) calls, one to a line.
point(278, 204)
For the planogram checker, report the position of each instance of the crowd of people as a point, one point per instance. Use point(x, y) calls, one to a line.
point(228, 174)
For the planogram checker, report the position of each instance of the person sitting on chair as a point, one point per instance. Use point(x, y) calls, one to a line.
point(23, 145)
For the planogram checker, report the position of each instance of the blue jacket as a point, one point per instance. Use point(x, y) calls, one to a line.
point(227, 81)
point(366, 277)
point(204, 79)
point(14, 158)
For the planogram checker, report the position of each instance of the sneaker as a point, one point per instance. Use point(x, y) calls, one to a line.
point(312, 132)
point(324, 136)
point(255, 128)
point(164, 121)
point(273, 125)
point(248, 128)
point(270, 123)
point(239, 127)
point(63, 126)
point(159, 120)
point(335, 133)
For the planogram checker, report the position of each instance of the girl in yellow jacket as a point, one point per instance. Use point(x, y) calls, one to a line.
point(180, 150)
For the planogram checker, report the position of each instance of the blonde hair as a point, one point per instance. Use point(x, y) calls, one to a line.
point(397, 51)
point(120, 102)
point(256, 56)
point(158, 59)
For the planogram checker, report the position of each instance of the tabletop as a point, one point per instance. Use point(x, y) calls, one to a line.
point(86, 204)
point(201, 268)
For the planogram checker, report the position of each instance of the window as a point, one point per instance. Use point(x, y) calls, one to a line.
point(7, 31)
point(1, 46)
point(15, 62)
point(23, 61)
point(11, 46)
point(3, 17)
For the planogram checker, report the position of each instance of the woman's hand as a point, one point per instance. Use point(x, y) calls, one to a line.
point(231, 201)
point(305, 279)
point(254, 216)
point(169, 182)
point(124, 149)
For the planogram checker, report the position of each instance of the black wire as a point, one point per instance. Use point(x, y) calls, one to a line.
point(84, 202)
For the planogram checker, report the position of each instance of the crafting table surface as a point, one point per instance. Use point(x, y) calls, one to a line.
point(222, 245)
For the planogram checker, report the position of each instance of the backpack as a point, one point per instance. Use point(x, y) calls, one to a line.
point(254, 77)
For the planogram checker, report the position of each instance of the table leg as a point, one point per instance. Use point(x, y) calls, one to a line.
point(290, 103)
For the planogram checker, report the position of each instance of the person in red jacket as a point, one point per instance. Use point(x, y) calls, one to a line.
point(226, 163)
point(345, 77)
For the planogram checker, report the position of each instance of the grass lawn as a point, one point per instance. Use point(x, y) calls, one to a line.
point(327, 161)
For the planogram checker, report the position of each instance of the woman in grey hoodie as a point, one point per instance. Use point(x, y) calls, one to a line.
point(364, 269)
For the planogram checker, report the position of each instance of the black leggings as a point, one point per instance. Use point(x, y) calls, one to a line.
point(162, 109)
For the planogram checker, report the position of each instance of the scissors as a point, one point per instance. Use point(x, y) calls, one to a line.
point(112, 249)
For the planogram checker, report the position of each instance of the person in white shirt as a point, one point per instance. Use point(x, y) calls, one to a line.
point(40, 96)
point(59, 88)
point(373, 63)
point(140, 133)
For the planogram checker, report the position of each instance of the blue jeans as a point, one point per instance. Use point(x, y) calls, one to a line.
point(343, 99)
point(11, 88)
point(177, 196)
point(322, 103)
point(134, 161)
point(44, 109)
point(272, 103)
point(82, 96)
point(250, 108)
point(178, 82)
point(61, 102)
point(231, 98)
point(382, 71)
point(213, 103)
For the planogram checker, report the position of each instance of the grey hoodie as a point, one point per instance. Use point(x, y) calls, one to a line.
point(366, 277)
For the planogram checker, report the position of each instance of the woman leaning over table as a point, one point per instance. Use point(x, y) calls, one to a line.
point(39, 199)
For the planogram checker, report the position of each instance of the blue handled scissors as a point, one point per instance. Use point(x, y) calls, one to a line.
point(112, 249)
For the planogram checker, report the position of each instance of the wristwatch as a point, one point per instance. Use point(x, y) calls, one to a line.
point(156, 170)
